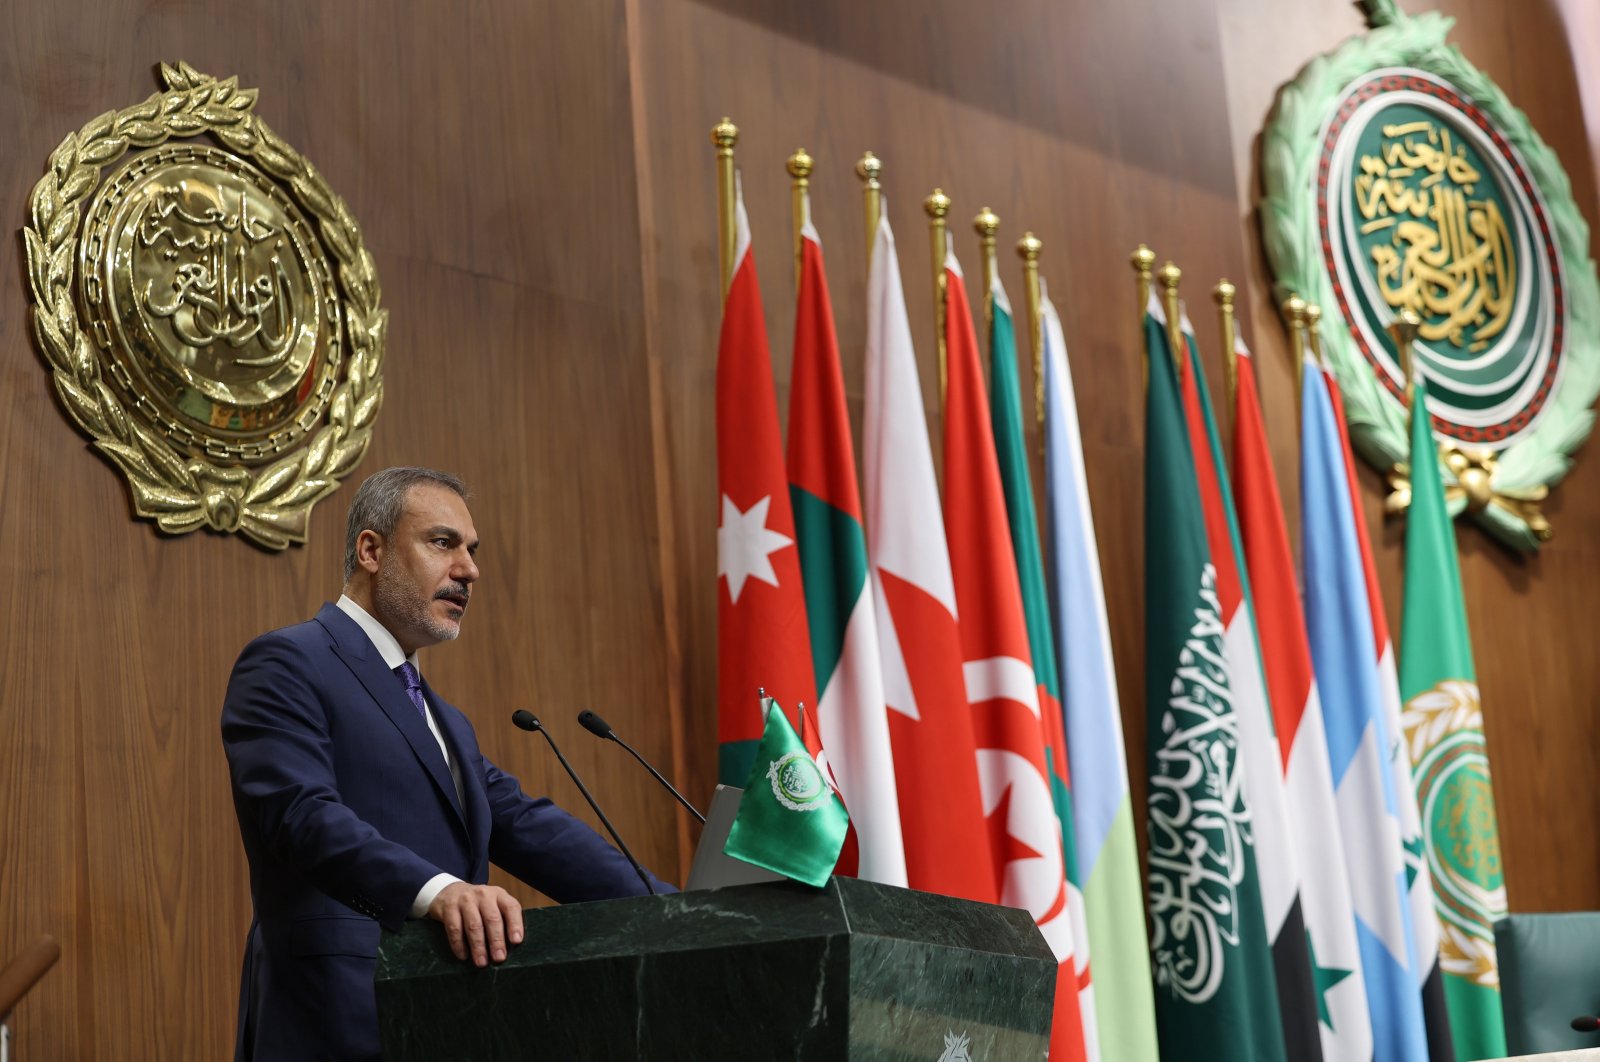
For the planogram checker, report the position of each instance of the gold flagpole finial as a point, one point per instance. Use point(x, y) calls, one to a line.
point(1170, 275)
point(1142, 259)
point(869, 168)
point(1294, 315)
point(799, 166)
point(1223, 294)
point(1029, 248)
point(1314, 332)
point(986, 223)
point(1403, 330)
point(724, 135)
point(938, 207)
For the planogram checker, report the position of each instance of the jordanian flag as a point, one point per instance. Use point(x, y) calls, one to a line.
point(1216, 995)
point(1444, 729)
point(761, 609)
point(930, 726)
point(1419, 881)
point(1276, 864)
point(790, 820)
point(1339, 625)
point(1005, 415)
point(1102, 810)
point(1025, 836)
point(1335, 957)
point(833, 561)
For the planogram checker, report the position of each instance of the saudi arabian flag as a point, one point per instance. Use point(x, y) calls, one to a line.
point(790, 820)
point(1450, 762)
point(1216, 994)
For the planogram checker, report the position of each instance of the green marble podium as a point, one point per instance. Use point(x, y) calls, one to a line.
point(775, 971)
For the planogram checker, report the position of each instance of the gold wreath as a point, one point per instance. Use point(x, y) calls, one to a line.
point(270, 505)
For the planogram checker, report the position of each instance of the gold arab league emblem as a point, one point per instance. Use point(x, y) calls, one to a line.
point(209, 314)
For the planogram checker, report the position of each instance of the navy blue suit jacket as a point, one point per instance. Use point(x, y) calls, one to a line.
point(346, 809)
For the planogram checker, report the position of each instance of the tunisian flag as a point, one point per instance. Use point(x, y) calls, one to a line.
point(762, 641)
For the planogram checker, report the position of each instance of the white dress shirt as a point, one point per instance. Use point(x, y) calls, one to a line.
point(393, 656)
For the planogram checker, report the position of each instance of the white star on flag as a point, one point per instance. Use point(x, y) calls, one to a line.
point(745, 545)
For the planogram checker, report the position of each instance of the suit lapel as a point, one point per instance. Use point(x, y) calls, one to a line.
point(353, 646)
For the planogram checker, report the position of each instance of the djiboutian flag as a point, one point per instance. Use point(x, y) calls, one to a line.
point(1216, 994)
point(1005, 415)
point(1277, 866)
point(851, 711)
point(1419, 881)
point(1335, 957)
point(942, 821)
point(1025, 835)
point(762, 641)
point(1339, 626)
point(1444, 730)
point(1102, 808)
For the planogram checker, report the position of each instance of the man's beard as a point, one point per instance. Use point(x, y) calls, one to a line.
point(400, 602)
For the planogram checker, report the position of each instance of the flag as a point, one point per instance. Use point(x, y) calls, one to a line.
point(930, 727)
point(1024, 833)
point(1444, 731)
point(833, 564)
point(1102, 810)
point(1339, 627)
point(762, 640)
point(790, 820)
point(1335, 958)
point(1277, 867)
point(1216, 996)
point(1005, 417)
point(1419, 882)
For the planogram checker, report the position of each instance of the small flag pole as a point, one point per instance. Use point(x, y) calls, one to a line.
point(799, 166)
point(1223, 294)
point(1294, 314)
point(986, 223)
point(1170, 276)
point(1314, 332)
point(868, 169)
point(938, 207)
point(724, 135)
point(1142, 259)
point(1403, 330)
point(1028, 249)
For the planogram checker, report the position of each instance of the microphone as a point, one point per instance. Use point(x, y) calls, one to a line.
point(1586, 1023)
point(526, 720)
point(602, 729)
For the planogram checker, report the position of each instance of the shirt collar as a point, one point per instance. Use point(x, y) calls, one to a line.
point(387, 645)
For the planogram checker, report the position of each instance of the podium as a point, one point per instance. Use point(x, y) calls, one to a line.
point(854, 970)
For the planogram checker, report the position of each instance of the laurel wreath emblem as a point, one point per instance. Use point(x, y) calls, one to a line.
point(269, 505)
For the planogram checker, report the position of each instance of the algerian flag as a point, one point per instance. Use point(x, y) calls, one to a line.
point(1444, 728)
point(790, 820)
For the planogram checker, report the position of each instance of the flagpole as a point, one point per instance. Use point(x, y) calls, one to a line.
point(724, 135)
point(1294, 312)
point(1403, 330)
point(938, 207)
point(1028, 249)
point(1142, 259)
point(799, 166)
point(868, 169)
point(1223, 294)
point(986, 224)
point(1170, 276)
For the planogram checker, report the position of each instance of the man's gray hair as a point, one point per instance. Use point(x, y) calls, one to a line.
point(380, 501)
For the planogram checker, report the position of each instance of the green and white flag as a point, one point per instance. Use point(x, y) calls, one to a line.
point(1450, 762)
point(790, 820)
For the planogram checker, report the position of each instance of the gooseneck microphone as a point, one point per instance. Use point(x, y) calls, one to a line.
point(602, 729)
point(526, 720)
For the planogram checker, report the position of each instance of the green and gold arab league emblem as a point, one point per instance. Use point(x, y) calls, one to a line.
point(207, 310)
point(1398, 177)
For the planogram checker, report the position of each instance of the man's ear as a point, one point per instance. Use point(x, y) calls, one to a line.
point(369, 551)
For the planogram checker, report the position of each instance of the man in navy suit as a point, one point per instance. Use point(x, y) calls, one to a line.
point(361, 794)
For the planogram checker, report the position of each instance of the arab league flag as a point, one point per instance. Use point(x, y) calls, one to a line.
point(1339, 625)
point(833, 564)
point(762, 640)
point(1444, 727)
point(1102, 809)
point(1005, 414)
point(1216, 995)
point(1335, 956)
point(790, 820)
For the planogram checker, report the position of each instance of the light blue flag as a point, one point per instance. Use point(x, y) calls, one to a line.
point(1339, 623)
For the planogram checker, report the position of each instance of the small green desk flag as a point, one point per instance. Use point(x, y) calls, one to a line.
point(790, 820)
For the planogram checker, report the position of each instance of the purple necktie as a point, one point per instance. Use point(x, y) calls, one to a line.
point(408, 674)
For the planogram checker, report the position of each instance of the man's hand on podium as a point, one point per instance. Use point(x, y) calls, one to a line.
point(481, 918)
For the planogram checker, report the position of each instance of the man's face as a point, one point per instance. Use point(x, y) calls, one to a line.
point(426, 568)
